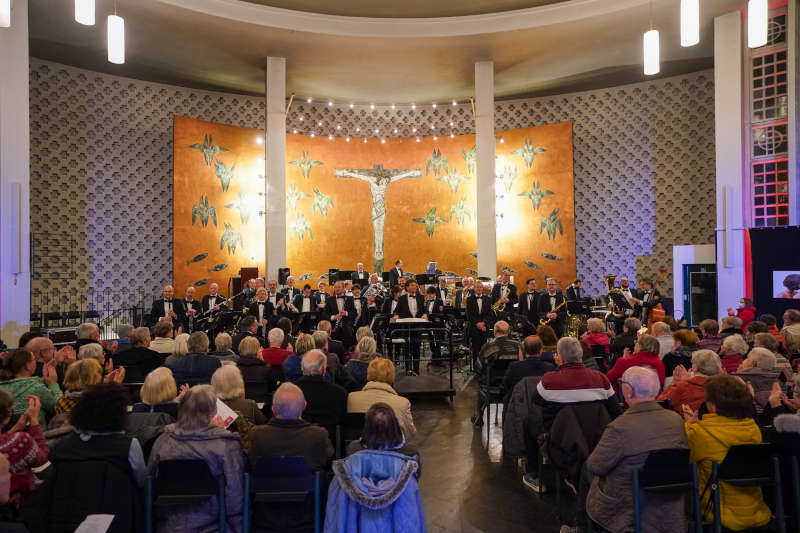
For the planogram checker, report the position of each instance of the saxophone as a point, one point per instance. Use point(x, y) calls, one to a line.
point(500, 304)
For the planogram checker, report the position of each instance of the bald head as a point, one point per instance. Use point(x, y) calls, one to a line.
point(288, 402)
point(501, 328)
point(313, 363)
point(41, 347)
point(642, 383)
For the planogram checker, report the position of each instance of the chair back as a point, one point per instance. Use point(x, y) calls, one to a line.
point(258, 391)
point(747, 465)
point(353, 426)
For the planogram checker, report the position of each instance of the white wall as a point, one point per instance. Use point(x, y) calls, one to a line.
point(14, 177)
point(692, 254)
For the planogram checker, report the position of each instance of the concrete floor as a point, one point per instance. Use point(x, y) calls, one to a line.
point(466, 486)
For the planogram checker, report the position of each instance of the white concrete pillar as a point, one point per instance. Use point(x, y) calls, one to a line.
point(729, 124)
point(275, 161)
point(15, 278)
point(485, 191)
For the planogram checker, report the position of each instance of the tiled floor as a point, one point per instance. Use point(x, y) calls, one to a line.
point(465, 485)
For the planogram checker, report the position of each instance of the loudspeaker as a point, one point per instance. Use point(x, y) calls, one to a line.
point(283, 273)
point(333, 276)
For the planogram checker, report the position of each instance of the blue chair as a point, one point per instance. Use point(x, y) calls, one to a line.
point(181, 482)
point(279, 479)
point(749, 465)
point(666, 471)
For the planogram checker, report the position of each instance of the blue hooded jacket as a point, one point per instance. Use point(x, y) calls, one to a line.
point(374, 491)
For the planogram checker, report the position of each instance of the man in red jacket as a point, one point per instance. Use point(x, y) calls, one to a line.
point(747, 311)
point(645, 354)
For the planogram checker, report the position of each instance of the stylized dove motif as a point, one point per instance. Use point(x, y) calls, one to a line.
point(224, 174)
point(243, 207)
point(306, 164)
point(321, 202)
point(204, 210)
point(536, 194)
point(460, 211)
point(453, 179)
point(430, 219)
point(293, 195)
point(528, 152)
point(551, 223)
point(300, 226)
point(470, 159)
point(208, 149)
point(230, 238)
point(437, 162)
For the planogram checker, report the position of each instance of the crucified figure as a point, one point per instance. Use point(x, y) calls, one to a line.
point(379, 179)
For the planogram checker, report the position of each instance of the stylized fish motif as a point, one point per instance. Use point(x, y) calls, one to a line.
point(536, 194)
point(201, 282)
point(204, 210)
point(551, 257)
point(243, 206)
point(450, 273)
point(437, 162)
point(528, 152)
point(293, 195)
point(230, 238)
point(305, 276)
point(430, 219)
point(505, 268)
point(453, 179)
point(197, 258)
point(460, 211)
point(306, 164)
point(300, 227)
point(531, 265)
point(224, 174)
point(321, 202)
point(470, 158)
point(551, 223)
point(208, 149)
point(217, 268)
point(471, 272)
point(324, 276)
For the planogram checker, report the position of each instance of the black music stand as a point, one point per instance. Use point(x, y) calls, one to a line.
point(619, 300)
point(579, 307)
point(307, 322)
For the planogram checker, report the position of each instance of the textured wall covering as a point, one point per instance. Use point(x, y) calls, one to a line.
point(101, 167)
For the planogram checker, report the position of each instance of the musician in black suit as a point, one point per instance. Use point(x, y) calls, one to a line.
point(479, 316)
point(443, 291)
point(191, 309)
point(528, 309)
point(548, 302)
point(263, 311)
point(411, 305)
point(645, 299)
point(464, 293)
point(360, 275)
point(305, 304)
point(321, 296)
point(167, 308)
point(248, 327)
point(213, 301)
point(290, 291)
point(504, 287)
point(390, 303)
point(363, 316)
point(277, 298)
point(396, 272)
point(339, 309)
point(574, 292)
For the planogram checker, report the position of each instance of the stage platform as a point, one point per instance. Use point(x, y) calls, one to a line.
point(426, 386)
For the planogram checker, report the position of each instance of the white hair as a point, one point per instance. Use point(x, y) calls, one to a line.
point(86, 330)
point(313, 363)
point(706, 362)
point(223, 341)
point(762, 358)
point(660, 327)
point(181, 346)
point(643, 381)
point(275, 337)
point(90, 351)
point(570, 350)
point(228, 383)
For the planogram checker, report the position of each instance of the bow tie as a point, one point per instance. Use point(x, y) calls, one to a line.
point(168, 301)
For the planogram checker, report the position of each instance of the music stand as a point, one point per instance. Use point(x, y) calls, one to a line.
point(344, 275)
point(425, 279)
point(579, 307)
point(619, 300)
point(386, 276)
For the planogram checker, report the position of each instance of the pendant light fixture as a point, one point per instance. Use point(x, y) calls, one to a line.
point(84, 12)
point(116, 38)
point(5, 13)
point(652, 61)
point(690, 22)
point(757, 23)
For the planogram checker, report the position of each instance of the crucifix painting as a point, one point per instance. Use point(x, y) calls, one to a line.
point(379, 180)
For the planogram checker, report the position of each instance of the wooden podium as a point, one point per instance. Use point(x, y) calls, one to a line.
point(240, 281)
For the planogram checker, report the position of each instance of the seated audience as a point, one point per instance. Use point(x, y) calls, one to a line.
point(363, 331)
point(196, 365)
point(23, 445)
point(768, 341)
point(326, 402)
point(229, 387)
point(597, 334)
point(791, 330)
point(356, 367)
point(663, 335)
point(160, 394)
point(285, 324)
point(623, 448)
point(251, 365)
point(197, 435)
point(248, 327)
point(731, 325)
point(626, 339)
point(179, 348)
point(93, 351)
point(223, 345)
point(549, 340)
point(727, 423)
point(124, 337)
point(382, 432)
point(44, 351)
point(275, 355)
point(87, 333)
point(81, 484)
point(80, 376)
point(733, 351)
point(163, 342)
point(357, 496)
point(772, 324)
point(530, 364)
point(139, 360)
point(380, 377)
point(684, 343)
point(321, 340)
point(334, 346)
point(759, 371)
point(753, 328)
point(500, 346)
point(292, 366)
point(711, 340)
point(16, 376)
point(645, 353)
point(687, 386)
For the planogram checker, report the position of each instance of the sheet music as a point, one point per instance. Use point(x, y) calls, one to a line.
point(411, 320)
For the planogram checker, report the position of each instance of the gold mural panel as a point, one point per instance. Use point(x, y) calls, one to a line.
point(375, 202)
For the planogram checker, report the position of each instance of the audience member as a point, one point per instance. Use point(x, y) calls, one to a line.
point(44, 351)
point(663, 335)
point(334, 346)
point(596, 334)
point(627, 338)
point(80, 376)
point(733, 351)
point(356, 367)
point(196, 365)
point(731, 325)
point(229, 387)
point(727, 423)
point(248, 327)
point(198, 435)
point(163, 342)
point(772, 324)
point(139, 360)
point(321, 342)
point(292, 366)
point(363, 331)
point(645, 353)
point(180, 348)
point(326, 402)
point(549, 340)
point(768, 341)
point(759, 371)
point(623, 448)
point(791, 330)
point(93, 351)
point(753, 328)
point(87, 333)
point(711, 340)
point(253, 368)
point(746, 312)
point(285, 324)
point(275, 355)
point(23, 445)
point(382, 432)
point(684, 343)
point(223, 348)
point(124, 337)
point(380, 377)
point(530, 364)
point(159, 393)
point(16, 376)
point(687, 387)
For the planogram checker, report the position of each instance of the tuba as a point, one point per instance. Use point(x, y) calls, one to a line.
point(609, 278)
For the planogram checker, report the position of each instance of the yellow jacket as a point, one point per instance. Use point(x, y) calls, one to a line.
point(709, 441)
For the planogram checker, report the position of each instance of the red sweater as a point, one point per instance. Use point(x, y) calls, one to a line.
point(638, 359)
point(275, 356)
point(747, 314)
point(24, 450)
